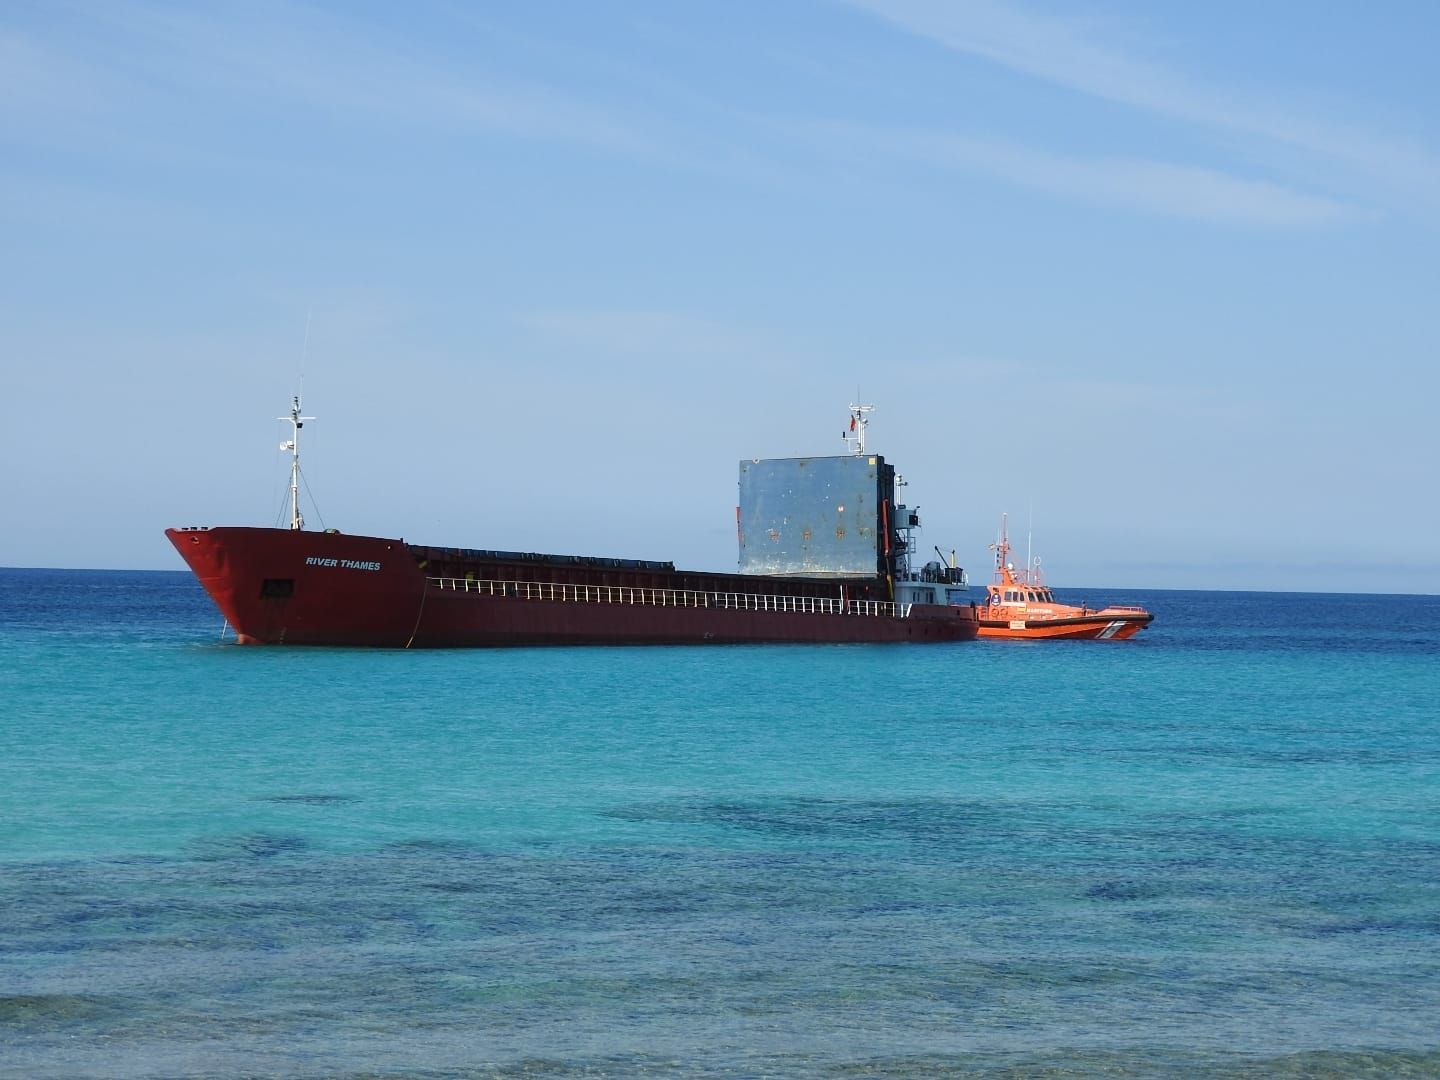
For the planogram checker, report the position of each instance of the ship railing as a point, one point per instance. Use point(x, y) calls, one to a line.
point(652, 597)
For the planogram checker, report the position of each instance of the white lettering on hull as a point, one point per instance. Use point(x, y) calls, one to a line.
point(343, 564)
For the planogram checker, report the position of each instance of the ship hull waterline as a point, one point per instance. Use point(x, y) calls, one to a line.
point(291, 587)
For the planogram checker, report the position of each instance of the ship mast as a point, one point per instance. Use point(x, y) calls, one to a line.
point(293, 445)
point(1003, 571)
point(859, 421)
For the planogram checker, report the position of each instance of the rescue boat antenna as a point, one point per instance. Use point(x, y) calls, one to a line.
point(859, 421)
point(1030, 543)
point(293, 445)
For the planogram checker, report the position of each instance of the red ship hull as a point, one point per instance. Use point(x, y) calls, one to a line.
point(291, 587)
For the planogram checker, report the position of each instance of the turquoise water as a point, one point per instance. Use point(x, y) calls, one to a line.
point(1213, 850)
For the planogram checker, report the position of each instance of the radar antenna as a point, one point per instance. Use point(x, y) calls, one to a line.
point(293, 445)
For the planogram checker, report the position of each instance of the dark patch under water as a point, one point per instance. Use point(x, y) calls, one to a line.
point(256, 845)
point(310, 800)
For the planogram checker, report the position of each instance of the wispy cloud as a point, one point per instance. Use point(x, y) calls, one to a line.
point(1148, 186)
point(35, 79)
point(1059, 51)
point(139, 59)
point(294, 55)
point(102, 77)
point(1062, 52)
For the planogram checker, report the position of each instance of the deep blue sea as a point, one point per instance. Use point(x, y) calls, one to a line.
point(1210, 851)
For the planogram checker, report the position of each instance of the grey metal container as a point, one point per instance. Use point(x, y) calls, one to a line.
point(817, 516)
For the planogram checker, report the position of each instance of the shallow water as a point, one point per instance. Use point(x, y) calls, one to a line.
point(1211, 850)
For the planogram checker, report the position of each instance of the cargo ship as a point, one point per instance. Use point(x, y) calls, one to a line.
point(825, 556)
point(1019, 604)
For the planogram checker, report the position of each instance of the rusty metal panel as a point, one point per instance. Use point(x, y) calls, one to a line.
point(818, 516)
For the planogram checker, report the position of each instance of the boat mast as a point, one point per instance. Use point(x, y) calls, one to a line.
point(1001, 547)
point(859, 421)
point(293, 445)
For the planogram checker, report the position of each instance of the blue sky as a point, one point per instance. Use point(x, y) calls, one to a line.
point(1161, 277)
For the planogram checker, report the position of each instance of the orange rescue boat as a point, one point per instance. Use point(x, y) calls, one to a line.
point(1021, 605)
